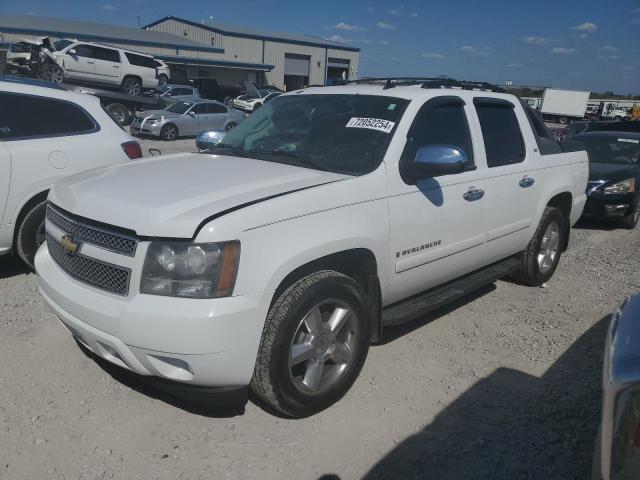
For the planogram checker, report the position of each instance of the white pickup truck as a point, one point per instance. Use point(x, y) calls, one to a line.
point(272, 260)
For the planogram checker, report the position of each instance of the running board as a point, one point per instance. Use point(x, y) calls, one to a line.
point(414, 307)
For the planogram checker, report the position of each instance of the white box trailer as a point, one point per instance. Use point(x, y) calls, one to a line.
point(564, 105)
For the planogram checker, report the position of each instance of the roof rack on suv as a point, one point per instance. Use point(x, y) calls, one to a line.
point(427, 82)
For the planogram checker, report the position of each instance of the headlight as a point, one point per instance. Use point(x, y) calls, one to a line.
point(153, 121)
point(625, 186)
point(190, 270)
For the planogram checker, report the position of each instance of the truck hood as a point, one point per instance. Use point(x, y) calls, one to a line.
point(612, 172)
point(171, 196)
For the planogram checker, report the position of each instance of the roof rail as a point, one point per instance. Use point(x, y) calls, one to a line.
point(461, 84)
point(426, 82)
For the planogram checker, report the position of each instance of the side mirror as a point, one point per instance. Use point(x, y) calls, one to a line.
point(72, 51)
point(191, 113)
point(209, 138)
point(437, 160)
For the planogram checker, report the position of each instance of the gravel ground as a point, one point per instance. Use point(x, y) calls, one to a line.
point(505, 384)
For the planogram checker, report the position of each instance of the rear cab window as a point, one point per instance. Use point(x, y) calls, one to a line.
point(29, 116)
point(503, 141)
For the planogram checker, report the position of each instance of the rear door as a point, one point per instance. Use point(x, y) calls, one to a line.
point(107, 62)
point(81, 64)
point(437, 225)
point(214, 118)
point(512, 185)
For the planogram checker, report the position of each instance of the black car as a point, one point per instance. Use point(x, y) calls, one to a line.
point(614, 175)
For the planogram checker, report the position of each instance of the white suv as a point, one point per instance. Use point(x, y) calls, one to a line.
point(92, 63)
point(275, 257)
point(47, 133)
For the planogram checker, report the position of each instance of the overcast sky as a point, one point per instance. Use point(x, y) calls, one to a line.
point(588, 44)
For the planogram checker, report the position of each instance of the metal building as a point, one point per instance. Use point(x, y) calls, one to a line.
point(208, 49)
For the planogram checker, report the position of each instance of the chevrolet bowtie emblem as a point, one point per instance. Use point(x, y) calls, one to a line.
point(69, 245)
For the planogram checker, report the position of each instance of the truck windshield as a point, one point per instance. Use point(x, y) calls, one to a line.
point(616, 150)
point(179, 107)
point(346, 134)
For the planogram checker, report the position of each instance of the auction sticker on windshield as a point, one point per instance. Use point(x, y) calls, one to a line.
point(378, 124)
point(628, 140)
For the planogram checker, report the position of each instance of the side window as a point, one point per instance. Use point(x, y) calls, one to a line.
point(547, 144)
point(441, 121)
point(30, 116)
point(200, 108)
point(86, 51)
point(140, 60)
point(107, 54)
point(181, 91)
point(215, 108)
point(503, 141)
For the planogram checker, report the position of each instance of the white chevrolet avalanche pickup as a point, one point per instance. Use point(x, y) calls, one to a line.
point(271, 261)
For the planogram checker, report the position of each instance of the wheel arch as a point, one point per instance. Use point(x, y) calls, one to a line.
point(563, 202)
point(357, 263)
point(24, 209)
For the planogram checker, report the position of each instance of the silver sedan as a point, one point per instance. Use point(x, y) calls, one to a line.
point(186, 118)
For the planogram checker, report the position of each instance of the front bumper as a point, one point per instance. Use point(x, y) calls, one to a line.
point(205, 343)
point(146, 129)
point(605, 206)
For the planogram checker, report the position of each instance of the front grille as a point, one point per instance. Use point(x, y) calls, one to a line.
point(102, 275)
point(115, 242)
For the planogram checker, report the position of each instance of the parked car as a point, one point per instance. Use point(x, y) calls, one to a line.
point(185, 118)
point(614, 176)
point(617, 454)
point(274, 258)
point(99, 64)
point(171, 93)
point(211, 90)
point(18, 55)
point(47, 133)
point(250, 103)
point(164, 73)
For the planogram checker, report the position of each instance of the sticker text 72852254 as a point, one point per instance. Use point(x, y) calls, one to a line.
point(379, 124)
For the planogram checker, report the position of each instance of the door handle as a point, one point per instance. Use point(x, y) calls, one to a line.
point(115, 66)
point(89, 63)
point(473, 194)
point(526, 182)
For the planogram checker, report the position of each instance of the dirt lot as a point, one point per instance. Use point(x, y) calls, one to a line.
point(505, 384)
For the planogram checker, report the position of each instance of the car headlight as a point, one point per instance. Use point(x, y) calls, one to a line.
point(153, 121)
point(190, 270)
point(625, 186)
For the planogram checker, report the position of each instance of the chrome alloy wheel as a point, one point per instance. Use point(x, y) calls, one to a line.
point(549, 247)
point(323, 346)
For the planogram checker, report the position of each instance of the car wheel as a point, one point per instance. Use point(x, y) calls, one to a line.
point(617, 119)
point(564, 120)
point(257, 106)
point(541, 257)
point(169, 132)
point(230, 126)
point(314, 343)
point(163, 79)
point(132, 86)
point(120, 113)
point(630, 220)
point(31, 233)
point(54, 74)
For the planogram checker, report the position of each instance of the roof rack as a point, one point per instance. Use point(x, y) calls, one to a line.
point(426, 82)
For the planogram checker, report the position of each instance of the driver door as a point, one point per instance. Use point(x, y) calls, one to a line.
point(437, 224)
point(81, 64)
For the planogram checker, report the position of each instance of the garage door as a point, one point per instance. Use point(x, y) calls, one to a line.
point(296, 64)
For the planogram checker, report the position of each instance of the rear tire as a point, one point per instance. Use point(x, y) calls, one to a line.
point(31, 233)
point(54, 73)
point(541, 257)
point(294, 347)
point(630, 220)
point(563, 120)
point(120, 113)
point(132, 86)
point(256, 106)
point(169, 132)
point(230, 126)
point(163, 79)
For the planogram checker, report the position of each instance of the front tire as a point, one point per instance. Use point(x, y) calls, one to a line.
point(230, 126)
point(541, 258)
point(31, 233)
point(54, 74)
point(169, 132)
point(120, 113)
point(630, 220)
point(314, 343)
point(163, 79)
